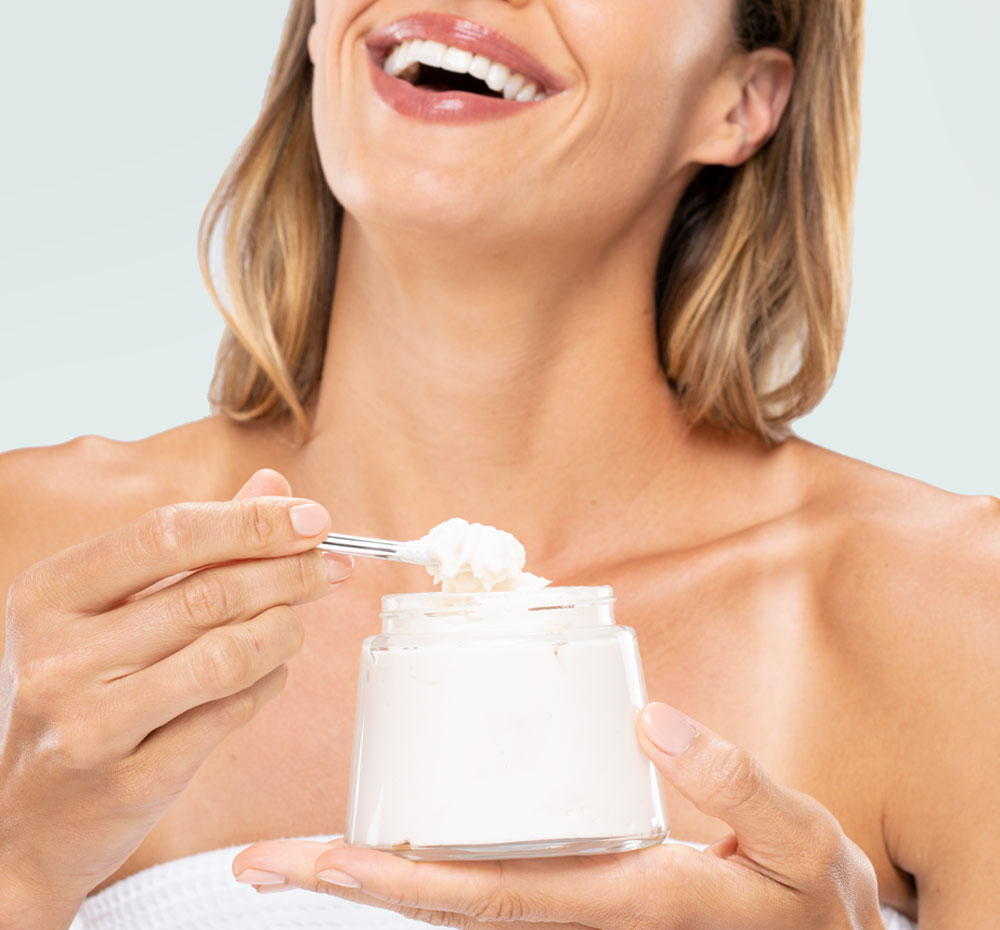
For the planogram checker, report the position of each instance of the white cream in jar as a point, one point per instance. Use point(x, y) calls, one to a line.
point(496, 724)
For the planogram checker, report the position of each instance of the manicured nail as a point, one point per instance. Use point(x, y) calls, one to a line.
point(260, 877)
point(668, 729)
point(309, 519)
point(338, 566)
point(268, 889)
point(336, 877)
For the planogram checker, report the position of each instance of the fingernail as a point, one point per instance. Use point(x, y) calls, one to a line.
point(309, 519)
point(669, 729)
point(260, 877)
point(338, 566)
point(336, 877)
point(268, 889)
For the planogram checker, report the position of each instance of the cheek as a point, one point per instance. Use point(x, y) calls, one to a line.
point(335, 26)
point(334, 35)
point(323, 126)
point(647, 66)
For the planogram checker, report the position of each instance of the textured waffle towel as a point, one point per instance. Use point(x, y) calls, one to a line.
point(199, 892)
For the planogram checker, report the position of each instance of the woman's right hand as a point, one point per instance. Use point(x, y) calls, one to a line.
point(128, 659)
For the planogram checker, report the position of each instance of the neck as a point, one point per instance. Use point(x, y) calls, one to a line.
point(490, 389)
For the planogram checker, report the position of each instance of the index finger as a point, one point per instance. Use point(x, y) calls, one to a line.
point(578, 889)
point(101, 573)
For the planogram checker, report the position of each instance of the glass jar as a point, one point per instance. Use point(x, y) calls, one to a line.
point(502, 725)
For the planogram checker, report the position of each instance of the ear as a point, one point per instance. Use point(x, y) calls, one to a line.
point(311, 42)
point(758, 91)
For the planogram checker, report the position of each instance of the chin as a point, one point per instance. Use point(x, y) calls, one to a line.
point(456, 199)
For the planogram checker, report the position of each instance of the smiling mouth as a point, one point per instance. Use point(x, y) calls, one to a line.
point(435, 67)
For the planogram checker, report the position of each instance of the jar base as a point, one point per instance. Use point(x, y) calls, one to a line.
point(528, 850)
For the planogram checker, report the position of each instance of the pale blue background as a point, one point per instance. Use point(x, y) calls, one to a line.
point(118, 118)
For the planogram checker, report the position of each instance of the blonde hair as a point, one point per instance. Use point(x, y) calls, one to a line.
point(753, 279)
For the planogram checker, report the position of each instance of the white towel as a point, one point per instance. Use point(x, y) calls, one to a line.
point(199, 893)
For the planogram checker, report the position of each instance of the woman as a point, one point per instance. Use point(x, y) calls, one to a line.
point(586, 317)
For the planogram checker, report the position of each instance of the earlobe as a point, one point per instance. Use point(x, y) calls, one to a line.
point(311, 43)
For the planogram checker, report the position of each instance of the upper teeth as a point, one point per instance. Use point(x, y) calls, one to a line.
point(498, 77)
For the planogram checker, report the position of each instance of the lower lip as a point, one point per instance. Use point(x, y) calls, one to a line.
point(444, 107)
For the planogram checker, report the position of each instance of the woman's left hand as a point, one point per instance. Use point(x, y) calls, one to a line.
point(787, 863)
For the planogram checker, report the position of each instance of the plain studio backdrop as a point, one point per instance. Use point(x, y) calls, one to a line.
point(119, 118)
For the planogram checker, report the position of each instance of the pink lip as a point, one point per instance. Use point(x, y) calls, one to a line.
point(453, 106)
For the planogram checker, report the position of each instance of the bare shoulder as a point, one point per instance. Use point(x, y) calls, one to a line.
point(53, 497)
point(903, 547)
point(911, 587)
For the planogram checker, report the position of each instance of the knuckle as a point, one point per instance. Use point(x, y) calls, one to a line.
point(296, 630)
point(861, 869)
point(238, 710)
point(142, 782)
point(310, 572)
point(68, 746)
point(828, 854)
point(828, 851)
point(33, 589)
point(164, 531)
point(133, 782)
point(257, 523)
point(21, 592)
point(205, 599)
point(310, 576)
point(735, 777)
point(500, 903)
point(220, 662)
point(436, 918)
point(648, 884)
point(288, 626)
point(36, 678)
point(40, 677)
point(130, 781)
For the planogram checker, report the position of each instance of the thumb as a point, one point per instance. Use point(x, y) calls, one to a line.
point(265, 483)
point(772, 823)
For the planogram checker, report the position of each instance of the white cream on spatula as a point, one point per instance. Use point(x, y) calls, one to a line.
point(470, 557)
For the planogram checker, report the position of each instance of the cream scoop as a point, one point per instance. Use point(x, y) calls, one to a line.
point(469, 557)
point(462, 557)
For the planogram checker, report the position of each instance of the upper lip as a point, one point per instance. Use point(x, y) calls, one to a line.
point(468, 35)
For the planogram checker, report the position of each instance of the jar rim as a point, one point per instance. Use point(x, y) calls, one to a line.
point(504, 612)
point(440, 603)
